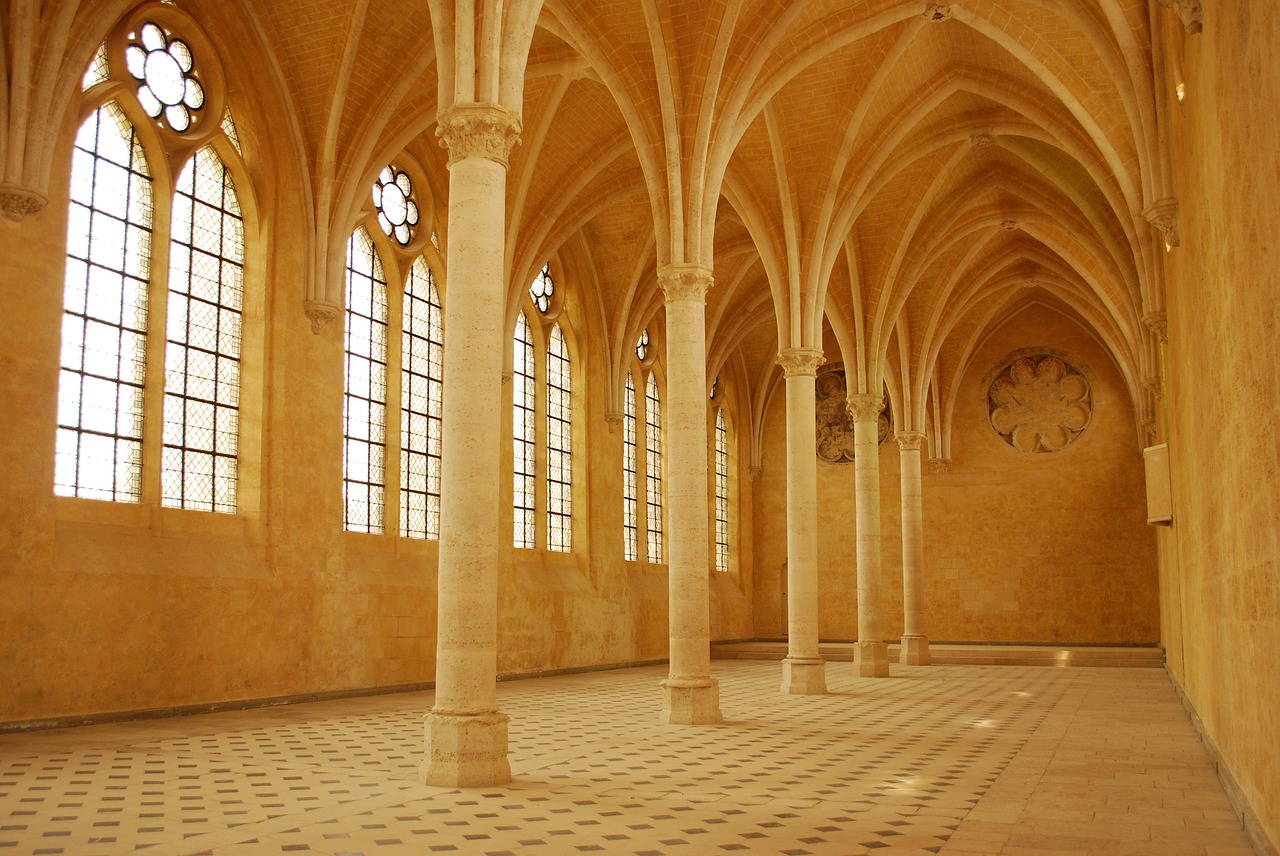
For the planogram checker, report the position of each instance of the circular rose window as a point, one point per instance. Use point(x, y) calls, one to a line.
point(1040, 404)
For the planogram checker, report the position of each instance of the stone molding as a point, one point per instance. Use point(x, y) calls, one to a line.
point(18, 203)
point(800, 361)
point(938, 466)
point(685, 282)
point(320, 313)
point(1190, 11)
point(479, 130)
point(1163, 215)
point(936, 13)
point(865, 407)
point(1158, 323)
point(909, 441)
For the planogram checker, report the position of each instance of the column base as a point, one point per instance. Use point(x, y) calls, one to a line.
point(466, 750)
point(690, 701)
point(914, 651)
point(802, 676)
point(872, 659)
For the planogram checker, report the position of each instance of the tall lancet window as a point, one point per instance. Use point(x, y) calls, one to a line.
point(524, 438)
point(421, 397)
point(202, 355)
point(104, 325)
point(559, 445)
point(722, 492)
point(653, 468)
point(364, 404)
point(630, 497)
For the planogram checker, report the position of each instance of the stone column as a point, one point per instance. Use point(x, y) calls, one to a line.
point(873, 651)
point(803, 671)
point(466, 735)
point(915, 644)
point(689, 695)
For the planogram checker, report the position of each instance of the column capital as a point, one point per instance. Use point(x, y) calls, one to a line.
point(1189, 10)
point(800, 361)
point(909, 441)
point(1163, 215)
point(479, 130)
point(685, 282)
point(1158, 323)
point(614, 419)
point(757, 472)
point(320, 313)
point(18, 203)
point(865, 407)
point(938, 466)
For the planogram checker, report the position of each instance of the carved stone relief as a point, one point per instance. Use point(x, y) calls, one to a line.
point(1040, 404)
point(834, 424)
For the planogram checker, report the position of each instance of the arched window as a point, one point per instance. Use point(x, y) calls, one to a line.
point(559, 445)
point(104, 323)
point(421, 394)
point(364, 402)
point(653, 468)
point(630, 524)
point(522, 423)
point(202, 357)
point(722, 492)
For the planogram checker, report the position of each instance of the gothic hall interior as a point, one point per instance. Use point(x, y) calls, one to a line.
point(356, 347)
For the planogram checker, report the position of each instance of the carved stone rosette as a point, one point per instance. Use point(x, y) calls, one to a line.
point(18, 203)
point(685, 282)
point(474, 130)
point(909, 441)
point(1009, 225)
point(1190, 11)
point(1158, 323)
point(1163, 216)
point(320, 313)
point(1040, 404)
point(936, 12)
point(800, 361)
point(982, 141)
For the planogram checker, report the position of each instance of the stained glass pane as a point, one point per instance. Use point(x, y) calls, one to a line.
point(364, 401)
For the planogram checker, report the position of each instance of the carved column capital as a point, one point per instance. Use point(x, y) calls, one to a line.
point(614, 419)
point(320, 313)
point(1158, 323)
point(1190, 11)
point(936, 12)
point(909, 441)
point(800, 361)
point(757, 473)
point(1152, 385)
point(479, 130)
point(865, 408)
point(938, 466)
point(685, 282)
point(1163, 215)
point(18, 203)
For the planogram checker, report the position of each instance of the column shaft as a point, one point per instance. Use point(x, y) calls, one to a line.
point(690, 696)
point(915, 644)
point(873, 651)
point(803, 671)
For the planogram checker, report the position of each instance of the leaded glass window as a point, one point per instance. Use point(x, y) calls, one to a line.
point(559, 445)
point(364, 403)
point(421, 394)
point(653, 467)
point(104, 325)
point(722, 493)
point(543, 289)
point(98, 71)
point(397, 210)
point(202, 355)
point(165, 71)
point(523, 446)
point(630, 525)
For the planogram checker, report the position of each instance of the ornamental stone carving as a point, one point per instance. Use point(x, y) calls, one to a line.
point(834, 420)
point(982, 141)
point(938, 466)
point(613, 418)
point(320, 313)
point(937, 12)
point(684, 282)
point(1190, 11)
point(800, 361)
point(18, 203)
point(1040, 404)
point(1152, 385)
point(909, 441)
point(756, 472)
point(479, 131)
point(1009, 225)
point(1158, 323)
point(1163, 216)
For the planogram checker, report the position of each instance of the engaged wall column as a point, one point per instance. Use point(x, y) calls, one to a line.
point(689, 695)
point(873, 651)
point(803, 671)
point(466, 735)
point(915, 644)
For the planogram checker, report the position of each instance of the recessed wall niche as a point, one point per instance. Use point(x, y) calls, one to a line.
point(834, 424)
point(1040, 403)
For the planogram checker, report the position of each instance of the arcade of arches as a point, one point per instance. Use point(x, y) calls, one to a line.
point(361, 345)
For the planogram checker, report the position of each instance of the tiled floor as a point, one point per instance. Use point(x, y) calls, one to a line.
point(942, 759)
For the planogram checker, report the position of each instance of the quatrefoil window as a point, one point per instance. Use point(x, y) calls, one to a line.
point(397, 212)
point(164, 69)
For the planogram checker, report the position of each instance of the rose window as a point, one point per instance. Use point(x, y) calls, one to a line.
point(542, 290)
point(1040, 404)
point(397, 212)
point(163, 66)
point(642, 345)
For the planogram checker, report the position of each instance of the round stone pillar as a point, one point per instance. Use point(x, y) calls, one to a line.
point(466, 735)
point(915, 644)
point(803, 671)
point(689, 694)
point(873, 651)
